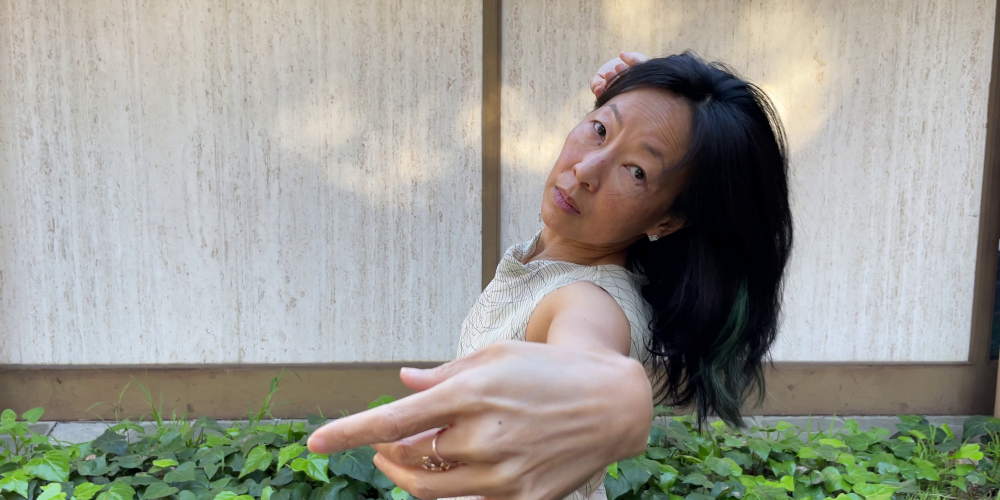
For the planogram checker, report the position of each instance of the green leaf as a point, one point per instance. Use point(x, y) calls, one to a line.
point(613, 470)
point(96, 467)
point(979, 425)
point(165, 462)
point(698, 479)
point(118, 491)
point(723, 466)
point(760, 448)
point(188, 495)
point(782, 468)
point(208, 424)
point(7, 418)
point(615, 487)
point(129, 461)
point(183, 473)
point(636, 471)
point(288, 453)
point(836, 443)
point(52, 492)
point(258, 459)
point(315, 466)
point(229, 495)
point(807, 452)
point(382, 400)
point(668, 477)
point(846, 459)
point(16, 481)
point(86, 490)
point(158, 489)
point(33, 415)
point(969, 451)
point(266, 493)
point(52, 466)
point(355, 463)
point(337, 489)
point(111, 443)
point(399, 494)
point(875, 491)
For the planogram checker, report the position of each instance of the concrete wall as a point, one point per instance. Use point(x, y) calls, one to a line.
point(223, 182)
point(885, 108)
point(274, 182)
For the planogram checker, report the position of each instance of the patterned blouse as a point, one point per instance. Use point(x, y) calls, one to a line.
point(505, 306)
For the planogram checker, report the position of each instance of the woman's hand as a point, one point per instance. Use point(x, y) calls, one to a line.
point(516, 438)
point(610, 69)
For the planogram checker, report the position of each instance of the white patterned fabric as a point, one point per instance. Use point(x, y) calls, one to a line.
point(505, 306)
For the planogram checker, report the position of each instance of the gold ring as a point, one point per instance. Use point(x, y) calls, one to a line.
point(441, 465)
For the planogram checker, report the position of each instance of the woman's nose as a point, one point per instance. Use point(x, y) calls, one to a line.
point(588, 172)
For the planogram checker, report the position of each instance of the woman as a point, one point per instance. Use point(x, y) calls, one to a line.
point(666, 233)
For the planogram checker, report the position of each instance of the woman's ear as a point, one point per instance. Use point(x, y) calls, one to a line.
point(669, 225)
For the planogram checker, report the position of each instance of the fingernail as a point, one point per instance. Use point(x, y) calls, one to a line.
point(410, 371)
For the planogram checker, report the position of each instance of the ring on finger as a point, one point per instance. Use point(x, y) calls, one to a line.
point(440, 465)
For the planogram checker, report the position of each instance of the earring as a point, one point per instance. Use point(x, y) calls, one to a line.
point(653, 237)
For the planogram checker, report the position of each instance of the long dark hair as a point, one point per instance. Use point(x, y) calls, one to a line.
point(715, 286)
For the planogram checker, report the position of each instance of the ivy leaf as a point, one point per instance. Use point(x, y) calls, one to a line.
point(7, 419)
point(875, 491)
point(111, 443)
point(96, 467)
point(52, 492)
point(334, 490)
point(613, 470)
point(258, 459)
point(208, 424)
point(158, 489)
point(229, 495)
point(86, 491)
point(807, 452)
point(615, 487)
point(16, 481)
point(266, 493)
point(129, 461)
point(187, 495)
point(33, 415)
point(288, 453)
point(782, 468)
point(118, 491)
point(314, 466)
point(182, 474)
point(399, 494)
point(760, 448)
point(723, 466)
point(698, 479)
point(52, 466)
point(382, 400)
point(354, 463)
point(979, 425)
point(165, 462)
point(969, 451)
point(636, 471)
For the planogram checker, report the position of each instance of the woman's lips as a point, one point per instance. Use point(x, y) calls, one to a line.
point(563, 203)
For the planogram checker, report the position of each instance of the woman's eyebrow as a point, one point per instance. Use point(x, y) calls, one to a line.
point(618, 114)
point(656, 152)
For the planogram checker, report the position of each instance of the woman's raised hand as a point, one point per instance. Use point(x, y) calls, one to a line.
point(525, 420)
point(610, 69)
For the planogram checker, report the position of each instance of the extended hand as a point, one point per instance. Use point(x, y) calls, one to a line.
point(526, 420)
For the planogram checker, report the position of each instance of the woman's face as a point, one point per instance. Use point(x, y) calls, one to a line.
point(613, 182)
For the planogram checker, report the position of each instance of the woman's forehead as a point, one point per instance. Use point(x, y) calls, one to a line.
point(653, 115)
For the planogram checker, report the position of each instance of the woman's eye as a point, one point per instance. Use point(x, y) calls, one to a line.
point(599, 128)
point(637, 173)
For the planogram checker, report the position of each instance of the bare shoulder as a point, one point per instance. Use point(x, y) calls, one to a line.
point(580, 314)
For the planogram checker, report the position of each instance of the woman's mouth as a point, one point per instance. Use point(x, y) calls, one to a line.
point(562, 202)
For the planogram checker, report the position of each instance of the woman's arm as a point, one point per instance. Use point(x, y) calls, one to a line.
point(519, 439)
point(580, 315)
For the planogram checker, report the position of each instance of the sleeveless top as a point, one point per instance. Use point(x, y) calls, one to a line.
point(505, 306)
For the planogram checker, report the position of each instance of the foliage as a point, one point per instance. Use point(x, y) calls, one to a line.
point(786, 462)
point(178, 459)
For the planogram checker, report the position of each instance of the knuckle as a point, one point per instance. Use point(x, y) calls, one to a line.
point(390, 425)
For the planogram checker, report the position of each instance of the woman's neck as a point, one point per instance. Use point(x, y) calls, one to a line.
point(551, 246)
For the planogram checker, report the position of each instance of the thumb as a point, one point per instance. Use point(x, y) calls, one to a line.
point(422, 379)
point(633, 58)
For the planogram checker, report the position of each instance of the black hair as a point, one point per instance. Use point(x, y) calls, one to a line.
point(715, 286)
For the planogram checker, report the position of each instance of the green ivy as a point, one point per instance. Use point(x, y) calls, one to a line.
point(201, 460)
